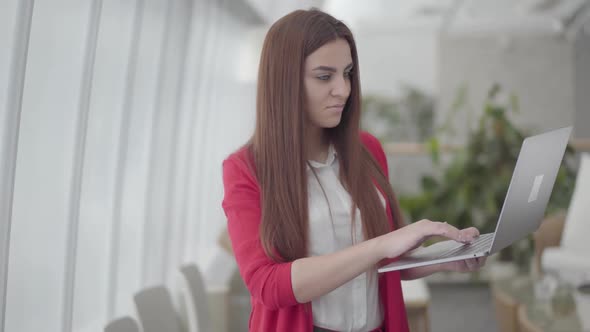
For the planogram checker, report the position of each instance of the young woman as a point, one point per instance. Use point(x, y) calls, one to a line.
point(310, 210)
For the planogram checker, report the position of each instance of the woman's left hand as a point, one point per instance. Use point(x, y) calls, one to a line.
point(466, 265)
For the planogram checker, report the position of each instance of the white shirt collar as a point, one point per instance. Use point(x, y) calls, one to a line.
point(329, 160)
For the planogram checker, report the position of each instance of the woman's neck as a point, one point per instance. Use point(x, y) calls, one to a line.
point(316, 144)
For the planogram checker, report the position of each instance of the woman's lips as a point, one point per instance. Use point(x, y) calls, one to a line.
point(336, 108)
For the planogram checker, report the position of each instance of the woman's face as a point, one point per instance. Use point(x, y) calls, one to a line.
point(327, 83)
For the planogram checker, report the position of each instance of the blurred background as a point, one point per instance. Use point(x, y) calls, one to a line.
point(115, 117)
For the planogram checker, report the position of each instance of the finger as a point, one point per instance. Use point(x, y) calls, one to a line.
point(472, 230)
point(446, 230)
point(481, 261)
point(469, 234)
point(472, 264)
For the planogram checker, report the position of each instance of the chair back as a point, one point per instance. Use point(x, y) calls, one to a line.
point(195, 299)
point(577, 222)
point(123, 324)
point(156, 311)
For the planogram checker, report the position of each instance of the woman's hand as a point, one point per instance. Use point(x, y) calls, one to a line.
point(467, 265)
point(400, 241)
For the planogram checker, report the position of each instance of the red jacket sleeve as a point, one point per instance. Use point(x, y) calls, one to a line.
point(268, 282)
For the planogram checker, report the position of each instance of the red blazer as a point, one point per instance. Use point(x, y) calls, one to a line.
point(274, 307)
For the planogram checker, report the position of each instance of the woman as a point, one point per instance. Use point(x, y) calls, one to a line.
point(310, 210)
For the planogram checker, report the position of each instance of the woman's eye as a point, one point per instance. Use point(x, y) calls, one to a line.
point(348, 74)
point(324, 77)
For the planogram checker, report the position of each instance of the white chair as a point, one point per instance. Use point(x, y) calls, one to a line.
point(570, 260)
point(156, 311)
point(123, 324)
point(194, 299)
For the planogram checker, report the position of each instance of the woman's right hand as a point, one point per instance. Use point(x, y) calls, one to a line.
point(400, 241)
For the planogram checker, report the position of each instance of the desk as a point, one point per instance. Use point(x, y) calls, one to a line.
point(518, 310)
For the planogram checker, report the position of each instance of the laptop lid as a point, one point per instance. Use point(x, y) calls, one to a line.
point(531, 186)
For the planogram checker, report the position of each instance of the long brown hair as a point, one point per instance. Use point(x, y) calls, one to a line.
point(278, 147)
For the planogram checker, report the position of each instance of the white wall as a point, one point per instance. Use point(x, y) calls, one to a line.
point(46, 167)
point(582, 82)
point(96, 248)
point(538, 69)
point(15, 18)
point(540, 53)
point(390, 57)
point(128, 109)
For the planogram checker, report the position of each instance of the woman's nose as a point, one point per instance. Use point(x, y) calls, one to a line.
point(341, 88)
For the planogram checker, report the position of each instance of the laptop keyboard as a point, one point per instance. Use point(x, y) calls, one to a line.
point(482, 243)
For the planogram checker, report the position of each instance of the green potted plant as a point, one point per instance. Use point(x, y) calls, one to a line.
point(472, 187)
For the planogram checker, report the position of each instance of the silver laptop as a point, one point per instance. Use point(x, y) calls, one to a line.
point(523, 210)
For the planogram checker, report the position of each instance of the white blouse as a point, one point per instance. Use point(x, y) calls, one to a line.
point(355, 305)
